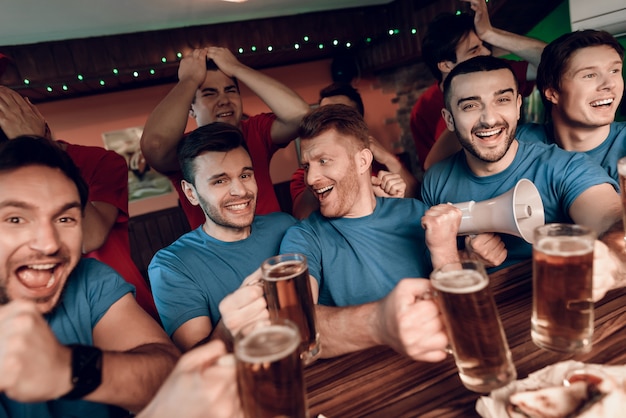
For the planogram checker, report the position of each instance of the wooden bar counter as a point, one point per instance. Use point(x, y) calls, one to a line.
point(382, 383)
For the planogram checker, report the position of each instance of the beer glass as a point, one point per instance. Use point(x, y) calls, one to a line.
point(621, 170)
point(269, 370)
point(288, 294)
point(562, 318)
point(469, 312)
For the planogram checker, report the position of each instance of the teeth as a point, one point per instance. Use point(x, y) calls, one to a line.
point(50, 282)
point(488, 133)
point(323, 189)
point(41, 266)
point(601, 102)
point(222, 115)
point(238, 207)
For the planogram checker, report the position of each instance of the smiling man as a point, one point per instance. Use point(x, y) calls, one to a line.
point(74, 340)
point(482, 108)
point(191, 277)
point(581, 83)
point(208, 91)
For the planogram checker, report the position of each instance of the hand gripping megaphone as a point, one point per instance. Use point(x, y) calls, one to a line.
point(516, 212)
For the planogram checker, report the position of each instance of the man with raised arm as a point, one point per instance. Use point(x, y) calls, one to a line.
point(208, 91)
point(451, 39)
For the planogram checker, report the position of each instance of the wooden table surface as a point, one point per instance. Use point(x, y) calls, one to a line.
point(382, 383)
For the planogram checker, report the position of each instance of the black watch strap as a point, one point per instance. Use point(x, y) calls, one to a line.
point(86, 370)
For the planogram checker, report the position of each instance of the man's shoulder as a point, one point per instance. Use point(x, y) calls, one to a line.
point(432, 95)
point(275, 219)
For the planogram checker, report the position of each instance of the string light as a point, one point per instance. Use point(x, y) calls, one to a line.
point(65, 86)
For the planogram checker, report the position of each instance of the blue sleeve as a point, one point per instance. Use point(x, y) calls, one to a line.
point(299, 239)
point(177, 296)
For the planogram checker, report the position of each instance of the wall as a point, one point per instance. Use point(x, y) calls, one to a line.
point(83, 120)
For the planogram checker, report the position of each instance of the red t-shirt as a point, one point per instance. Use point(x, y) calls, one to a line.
point(257, 133)
point(106, 174)
point(426, 121)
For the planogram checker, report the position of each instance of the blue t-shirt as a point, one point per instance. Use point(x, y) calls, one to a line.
point(191, 277)
point(606, 154)
point(560, 177)
point(91, 290)
point(360, 260)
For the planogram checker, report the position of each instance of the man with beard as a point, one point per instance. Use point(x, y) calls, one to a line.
point(208, 91)
point(74, 342)
point(482, 108)
point(360, 247)
point(581, 84)
point(191, 277)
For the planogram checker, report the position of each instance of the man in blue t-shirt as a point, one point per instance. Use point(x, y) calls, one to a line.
point(581, 84)
point(191, 277)
point(74, 340)
point(483, 107)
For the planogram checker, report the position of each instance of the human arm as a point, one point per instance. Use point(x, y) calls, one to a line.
point(394, 166)
point(35, 366)
point(285, 103)
point(526, 48)
point(405, 320)
point(166, 124)
point(445, 146)
point(598, 207)
point(202, 384)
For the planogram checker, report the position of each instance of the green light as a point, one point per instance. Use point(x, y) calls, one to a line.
point(458, 12)
point(49, 89)
point(102, 82)
point(80, 77)
point(179, 54)
point(152, 72)
point(26, 81)
point(296, 46)
point(135, 74)
point(396, 31)
point(163, 60)
point(241, 50)
point(115, 71)
point(335, 42)
point(270, 48)
point(368, 39)
point(320, 46)
point(64, 87)
point(306, 38)
point(253, 48)
point(413, 31)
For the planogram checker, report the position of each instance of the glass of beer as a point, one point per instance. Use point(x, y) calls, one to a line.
point(269, 370)
point(469, 312)
point(562, 318)
point(288, 293)
point(621, 171)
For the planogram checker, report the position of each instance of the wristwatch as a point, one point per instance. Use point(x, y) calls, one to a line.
point(86, 371)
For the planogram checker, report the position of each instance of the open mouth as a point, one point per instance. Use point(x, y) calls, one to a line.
point(323, 192)
point(38, 277)
point(489, 134)
point(225, 114)
point(602, 103)
point(235, 207)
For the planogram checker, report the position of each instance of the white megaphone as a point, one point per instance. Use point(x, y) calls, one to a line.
point(516, 212)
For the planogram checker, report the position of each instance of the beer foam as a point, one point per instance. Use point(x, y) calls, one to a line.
point(564, 246)
point(267, 344)
point(459, 281)
point(291, 269)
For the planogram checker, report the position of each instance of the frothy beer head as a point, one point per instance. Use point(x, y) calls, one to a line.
point(459, 281)
point(565, 246)
point(284, 270)
point(268, 344)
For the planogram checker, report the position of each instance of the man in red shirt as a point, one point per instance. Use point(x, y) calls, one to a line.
point(208, 91)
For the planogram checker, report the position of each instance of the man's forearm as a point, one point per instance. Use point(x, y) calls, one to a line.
point(346, 329)
point(130, 379)
point(614, 240)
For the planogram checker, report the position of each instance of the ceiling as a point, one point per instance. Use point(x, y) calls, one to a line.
point(32, 21)
point(70, 48)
